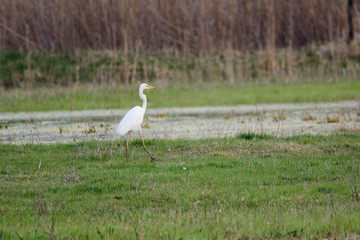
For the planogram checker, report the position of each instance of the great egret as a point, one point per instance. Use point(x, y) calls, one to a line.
point(133, 119)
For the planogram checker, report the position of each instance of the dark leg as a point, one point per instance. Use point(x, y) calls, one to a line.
point(152, 158)
point(127, 145)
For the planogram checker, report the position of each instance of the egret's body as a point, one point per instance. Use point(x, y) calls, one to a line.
point(133, 119)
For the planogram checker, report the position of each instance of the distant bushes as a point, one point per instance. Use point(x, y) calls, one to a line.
point(311, 65)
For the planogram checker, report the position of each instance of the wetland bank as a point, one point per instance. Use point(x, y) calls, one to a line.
point(182, 123)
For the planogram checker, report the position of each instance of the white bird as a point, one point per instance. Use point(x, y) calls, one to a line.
point(133, 119)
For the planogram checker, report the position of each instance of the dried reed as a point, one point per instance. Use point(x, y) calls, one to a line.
point(202, 25)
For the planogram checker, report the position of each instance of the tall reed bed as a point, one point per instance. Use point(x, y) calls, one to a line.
point(197, 25)
point(124, 41)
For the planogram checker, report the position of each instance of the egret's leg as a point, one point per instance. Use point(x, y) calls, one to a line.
point(127, 145)
point(152, 158)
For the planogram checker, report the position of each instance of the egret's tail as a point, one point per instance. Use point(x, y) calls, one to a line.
point(119, 131)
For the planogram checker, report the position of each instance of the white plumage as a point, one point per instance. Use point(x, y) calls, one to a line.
point(133, 119)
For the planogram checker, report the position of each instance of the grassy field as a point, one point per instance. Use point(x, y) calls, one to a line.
point(39, 81)
point(195, 95)
point(234, 188)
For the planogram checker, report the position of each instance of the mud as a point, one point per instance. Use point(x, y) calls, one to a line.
point(188, 123)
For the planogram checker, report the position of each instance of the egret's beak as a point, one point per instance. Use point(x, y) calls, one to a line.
point(151, 87)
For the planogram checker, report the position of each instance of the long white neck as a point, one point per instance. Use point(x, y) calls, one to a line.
point(143, 97)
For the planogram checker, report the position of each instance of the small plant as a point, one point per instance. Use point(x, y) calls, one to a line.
point(100, 146)
point(279, 117)
point(101, 150)
point(91, 128)
point(354, 185)
point(47, 214)
point(252, 136)
point(334, 119)
point(309, 117)
point(40, 205)
point(72, 176)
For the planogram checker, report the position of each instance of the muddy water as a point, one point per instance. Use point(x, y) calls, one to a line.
point(189, 123)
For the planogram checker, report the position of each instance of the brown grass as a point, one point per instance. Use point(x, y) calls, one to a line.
point(309, 117)
point(333, 119)
point(125, 41)
point(203, 25)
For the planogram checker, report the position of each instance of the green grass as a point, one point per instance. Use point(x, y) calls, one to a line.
point(32, 69)
point(95, 97)
point(303, 187)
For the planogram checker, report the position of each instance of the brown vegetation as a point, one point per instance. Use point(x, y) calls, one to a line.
point(203, 25)
point(125, 41)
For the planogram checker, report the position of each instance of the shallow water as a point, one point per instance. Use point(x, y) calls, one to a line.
point(188, 123)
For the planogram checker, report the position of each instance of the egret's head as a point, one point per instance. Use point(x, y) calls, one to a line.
point(146, 86)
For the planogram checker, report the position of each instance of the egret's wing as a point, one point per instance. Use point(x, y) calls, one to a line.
point(131, 121)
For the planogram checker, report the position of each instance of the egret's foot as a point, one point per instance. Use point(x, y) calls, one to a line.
point(151, 157)
point(155, 159)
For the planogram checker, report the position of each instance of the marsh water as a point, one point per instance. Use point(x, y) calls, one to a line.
point(188, 123)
